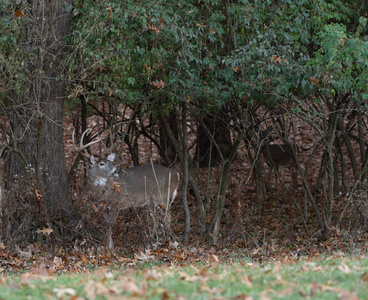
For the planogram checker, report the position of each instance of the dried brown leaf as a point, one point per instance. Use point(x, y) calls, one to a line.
point(45, 231)
point(127, 284)
point(90, 290)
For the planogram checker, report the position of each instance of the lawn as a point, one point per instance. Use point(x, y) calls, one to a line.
point(331, 277)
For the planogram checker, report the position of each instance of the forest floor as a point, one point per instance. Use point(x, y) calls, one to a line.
point(266, 232)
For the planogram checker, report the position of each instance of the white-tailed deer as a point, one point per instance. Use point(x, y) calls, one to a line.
point(281, 156)
point(147, 185)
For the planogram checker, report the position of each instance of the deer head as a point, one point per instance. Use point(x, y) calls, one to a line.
point(99, 172)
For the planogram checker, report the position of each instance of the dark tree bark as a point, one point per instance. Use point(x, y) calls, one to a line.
point(166, 145)
point(52, 103)
point(207, 153)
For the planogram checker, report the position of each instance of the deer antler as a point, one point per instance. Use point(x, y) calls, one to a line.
point(82, 148)
point(113, 145)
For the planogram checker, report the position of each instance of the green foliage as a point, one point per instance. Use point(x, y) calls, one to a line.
point(18, 52)
point(342, 61)
point(141, 51)
point(178, 49)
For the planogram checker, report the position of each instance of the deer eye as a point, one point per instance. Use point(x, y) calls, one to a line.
point(101, 164)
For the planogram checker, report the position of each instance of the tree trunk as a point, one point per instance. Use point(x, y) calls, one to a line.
point(191, 179)
point(168, 150)
point(52, 102)
point(185, 175)
point(220, 201)
point(36, 144)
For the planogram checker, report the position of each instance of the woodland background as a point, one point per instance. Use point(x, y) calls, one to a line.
point(199, 86)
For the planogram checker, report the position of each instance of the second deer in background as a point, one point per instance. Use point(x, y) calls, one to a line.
point(151, 185)
point(281, 156)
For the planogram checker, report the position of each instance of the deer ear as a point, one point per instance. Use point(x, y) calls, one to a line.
point(92, 160)
point(111, 157)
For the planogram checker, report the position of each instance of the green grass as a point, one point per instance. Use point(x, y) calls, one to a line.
point(331, 278)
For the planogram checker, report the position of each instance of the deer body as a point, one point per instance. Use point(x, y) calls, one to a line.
point(161, 192)
point(135, 186)
point(281, 156)
point(147, 185)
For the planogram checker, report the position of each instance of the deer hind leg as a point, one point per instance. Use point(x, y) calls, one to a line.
point(167, 226)
point(165, 223)
point(161, 218)
point(277, 177)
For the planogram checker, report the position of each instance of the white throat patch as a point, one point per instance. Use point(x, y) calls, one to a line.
point(100, 181)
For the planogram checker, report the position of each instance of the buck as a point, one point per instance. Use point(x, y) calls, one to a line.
point(280, 156)
point(150, 185)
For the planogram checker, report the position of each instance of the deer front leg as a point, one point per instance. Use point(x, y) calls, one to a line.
point(294, 176)
point(109, 241)
point(110, 217)
point(268, 181)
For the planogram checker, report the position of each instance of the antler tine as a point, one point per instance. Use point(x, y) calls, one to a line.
point(82, 137)
point(112, 145)
point(75, 146)
point(82, 147)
